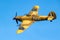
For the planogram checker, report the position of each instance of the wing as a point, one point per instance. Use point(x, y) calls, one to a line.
point(34, 11)
point(25, 24)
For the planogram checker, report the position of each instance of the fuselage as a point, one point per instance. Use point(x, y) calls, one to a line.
point(33, 18)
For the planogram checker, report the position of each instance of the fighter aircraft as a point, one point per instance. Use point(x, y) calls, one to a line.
point(32, 17)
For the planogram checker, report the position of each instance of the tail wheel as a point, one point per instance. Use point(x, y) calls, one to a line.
point(50, 20)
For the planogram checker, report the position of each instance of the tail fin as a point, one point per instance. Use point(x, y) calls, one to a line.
point(51, 15)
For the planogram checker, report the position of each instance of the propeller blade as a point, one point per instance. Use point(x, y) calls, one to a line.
point(16, 21)
point(15, 18)
point(16, 14)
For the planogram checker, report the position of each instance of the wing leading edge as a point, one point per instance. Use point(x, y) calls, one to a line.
point(25, 24)
point(34, 10)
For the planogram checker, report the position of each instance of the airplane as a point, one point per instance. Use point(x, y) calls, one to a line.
point(32, 17)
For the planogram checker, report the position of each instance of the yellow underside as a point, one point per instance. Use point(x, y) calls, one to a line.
point(19, 31)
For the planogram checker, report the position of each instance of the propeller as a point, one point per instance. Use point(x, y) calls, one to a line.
point(16, 21)
point(16, 18)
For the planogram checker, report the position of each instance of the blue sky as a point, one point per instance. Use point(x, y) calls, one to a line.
point(43, 30)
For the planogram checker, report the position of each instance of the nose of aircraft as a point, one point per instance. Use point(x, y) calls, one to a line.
point(14, 18)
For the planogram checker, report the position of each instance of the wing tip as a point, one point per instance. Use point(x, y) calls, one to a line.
point(19, 31)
